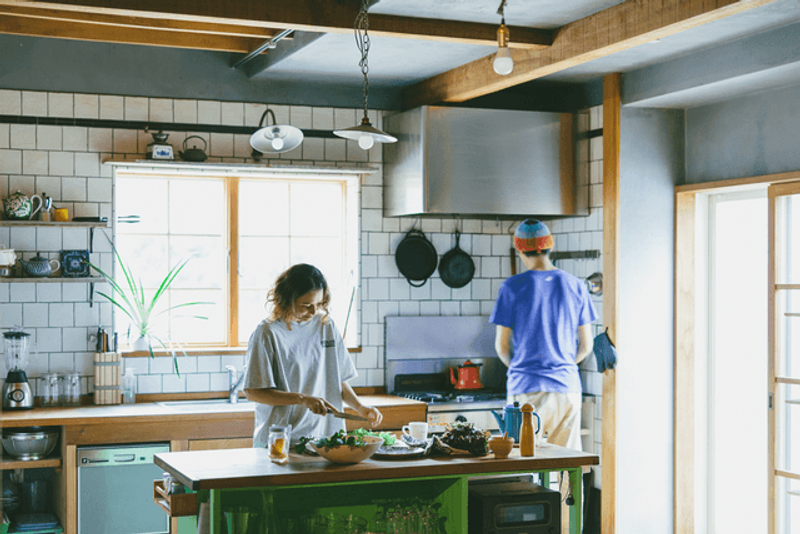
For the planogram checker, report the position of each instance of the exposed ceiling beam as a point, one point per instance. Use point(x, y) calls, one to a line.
point(139, 22)
point(615, 29)
point(81, 31)
point(331, 16)
point(259, 65)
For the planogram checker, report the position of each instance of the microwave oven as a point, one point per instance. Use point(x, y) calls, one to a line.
point(513, 508)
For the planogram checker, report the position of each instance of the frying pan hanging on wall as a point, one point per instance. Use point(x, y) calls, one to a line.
point(456, 267)
point(416, 258)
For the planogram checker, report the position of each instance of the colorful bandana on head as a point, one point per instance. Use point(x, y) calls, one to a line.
point(532, 235)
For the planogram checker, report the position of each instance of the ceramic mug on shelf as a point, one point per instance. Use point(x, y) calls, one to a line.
point(61, 215)
point(416, 430)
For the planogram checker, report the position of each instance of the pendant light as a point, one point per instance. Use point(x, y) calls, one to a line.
point(276, 138)
point(502, 64)
point(364, 133)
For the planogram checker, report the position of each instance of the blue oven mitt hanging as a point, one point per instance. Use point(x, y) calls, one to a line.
point(605, 352)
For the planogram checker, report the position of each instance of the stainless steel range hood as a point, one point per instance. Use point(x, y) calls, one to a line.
point(480, 162)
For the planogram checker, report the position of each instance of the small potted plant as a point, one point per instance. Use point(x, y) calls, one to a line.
point(129, 297)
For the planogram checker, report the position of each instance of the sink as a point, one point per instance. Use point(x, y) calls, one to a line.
point(209, 405)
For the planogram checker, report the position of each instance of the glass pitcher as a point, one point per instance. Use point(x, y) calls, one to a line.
point(17, 350)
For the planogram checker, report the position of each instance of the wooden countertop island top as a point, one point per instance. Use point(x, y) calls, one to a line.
point(250, 468)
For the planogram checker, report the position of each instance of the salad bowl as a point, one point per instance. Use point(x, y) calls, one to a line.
point(349, 454)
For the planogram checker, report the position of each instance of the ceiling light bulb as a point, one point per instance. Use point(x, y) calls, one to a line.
point(503, 64)
point(366, 141)
point(277, 143)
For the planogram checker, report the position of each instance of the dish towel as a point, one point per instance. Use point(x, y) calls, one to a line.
point(605, 352)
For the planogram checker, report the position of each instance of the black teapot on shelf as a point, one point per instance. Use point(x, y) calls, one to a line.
point(194, 153)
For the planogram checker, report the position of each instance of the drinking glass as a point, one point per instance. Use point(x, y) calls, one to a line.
point(50, 390)
point(71, 389)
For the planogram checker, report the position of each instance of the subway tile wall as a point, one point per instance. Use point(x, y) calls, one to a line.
point(66, 163)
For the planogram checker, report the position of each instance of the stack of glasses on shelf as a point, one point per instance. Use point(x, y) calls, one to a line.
point(395, 516)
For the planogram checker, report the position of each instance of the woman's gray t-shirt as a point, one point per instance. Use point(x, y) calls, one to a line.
point(311, 359)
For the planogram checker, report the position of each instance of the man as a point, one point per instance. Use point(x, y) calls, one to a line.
point(545, 314)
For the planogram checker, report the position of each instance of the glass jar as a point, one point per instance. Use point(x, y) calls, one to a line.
point(70, 390)
point(279, 443)
point(50, 390)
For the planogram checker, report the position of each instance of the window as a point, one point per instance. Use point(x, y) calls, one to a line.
point(261, 224)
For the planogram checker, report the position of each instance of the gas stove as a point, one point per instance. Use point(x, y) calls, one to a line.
point(421, 352)
point(463, 406)
point(456, 396)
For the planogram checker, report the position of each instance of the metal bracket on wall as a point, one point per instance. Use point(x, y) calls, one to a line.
point(576, 255)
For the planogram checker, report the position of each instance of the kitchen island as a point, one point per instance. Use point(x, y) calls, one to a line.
point(189, 424)
point(308, 485)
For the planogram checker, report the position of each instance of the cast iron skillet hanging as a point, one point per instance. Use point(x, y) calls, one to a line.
point(416, 257)
point(456, 267)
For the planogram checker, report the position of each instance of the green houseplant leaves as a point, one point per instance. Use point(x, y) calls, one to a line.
point(130, 298)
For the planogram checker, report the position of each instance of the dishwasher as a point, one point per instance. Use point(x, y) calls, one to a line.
point(115, 490)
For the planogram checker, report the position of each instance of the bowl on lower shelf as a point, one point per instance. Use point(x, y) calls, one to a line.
point(350, 454)
point(33, 443)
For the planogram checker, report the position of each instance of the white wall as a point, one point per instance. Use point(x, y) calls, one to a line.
point(651, 164)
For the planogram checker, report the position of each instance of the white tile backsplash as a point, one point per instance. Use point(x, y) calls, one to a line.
point(66, 163)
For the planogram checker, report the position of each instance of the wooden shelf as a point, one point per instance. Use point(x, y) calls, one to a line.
point(68, 224)
point(52, 280)
point(7, 462)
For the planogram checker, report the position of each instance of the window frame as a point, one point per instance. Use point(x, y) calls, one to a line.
point(231, 176)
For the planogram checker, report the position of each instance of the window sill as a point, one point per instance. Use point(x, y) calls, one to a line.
point(201, 351)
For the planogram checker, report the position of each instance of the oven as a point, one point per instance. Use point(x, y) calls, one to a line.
point(420, 351)
point(513, 507)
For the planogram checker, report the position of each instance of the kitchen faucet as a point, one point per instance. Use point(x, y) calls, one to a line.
point(234, 383)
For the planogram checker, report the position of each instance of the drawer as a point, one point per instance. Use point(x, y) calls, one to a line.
point(176, 504)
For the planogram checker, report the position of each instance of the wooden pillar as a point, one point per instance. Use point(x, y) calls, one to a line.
point(683, 423)
point(612, 107)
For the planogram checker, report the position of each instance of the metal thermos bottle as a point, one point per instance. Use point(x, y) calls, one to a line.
point(526, 431)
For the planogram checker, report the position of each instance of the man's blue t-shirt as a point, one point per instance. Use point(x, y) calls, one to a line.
point(544, 310)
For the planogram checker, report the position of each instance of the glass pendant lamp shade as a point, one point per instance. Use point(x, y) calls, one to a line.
point(276, 138)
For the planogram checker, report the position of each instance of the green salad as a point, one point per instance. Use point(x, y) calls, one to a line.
point(354, 438)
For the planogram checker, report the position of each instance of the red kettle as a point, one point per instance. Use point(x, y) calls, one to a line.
point(469, 376)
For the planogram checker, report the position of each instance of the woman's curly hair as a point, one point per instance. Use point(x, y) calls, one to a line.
point(292, 284)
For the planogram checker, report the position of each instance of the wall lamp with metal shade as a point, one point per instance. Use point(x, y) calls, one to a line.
point(365, 133)
point(275, 138)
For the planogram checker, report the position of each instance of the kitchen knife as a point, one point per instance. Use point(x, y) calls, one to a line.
point(343, 415)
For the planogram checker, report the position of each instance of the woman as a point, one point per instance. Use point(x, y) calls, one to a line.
point(298, 366)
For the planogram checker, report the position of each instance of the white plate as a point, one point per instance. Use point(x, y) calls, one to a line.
point(398, 453)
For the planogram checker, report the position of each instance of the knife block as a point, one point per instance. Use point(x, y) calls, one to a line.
point(107, 378)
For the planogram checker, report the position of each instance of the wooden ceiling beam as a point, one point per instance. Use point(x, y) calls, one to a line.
point(618, 28)
point(140, 22)
point(114, 34)
point(303, 15)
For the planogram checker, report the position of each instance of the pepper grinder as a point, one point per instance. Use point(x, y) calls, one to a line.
point(526, 431)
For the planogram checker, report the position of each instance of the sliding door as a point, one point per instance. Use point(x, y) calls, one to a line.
point(784, 368)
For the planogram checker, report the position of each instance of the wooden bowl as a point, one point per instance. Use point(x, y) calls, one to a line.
point(350, 454)
point(500, 446)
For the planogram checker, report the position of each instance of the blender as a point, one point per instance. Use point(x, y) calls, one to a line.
point(17, 394)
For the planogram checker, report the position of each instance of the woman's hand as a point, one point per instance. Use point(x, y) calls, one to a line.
point(317, 405)
point(370, 412)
